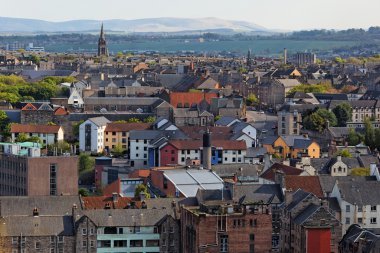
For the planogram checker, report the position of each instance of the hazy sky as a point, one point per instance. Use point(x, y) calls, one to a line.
point(273, 14)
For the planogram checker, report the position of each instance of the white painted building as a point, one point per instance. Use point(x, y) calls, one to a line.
point(358, 200)
point(48, 134)
point(91, 134)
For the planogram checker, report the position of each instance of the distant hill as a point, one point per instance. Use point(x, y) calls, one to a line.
point(19, 25)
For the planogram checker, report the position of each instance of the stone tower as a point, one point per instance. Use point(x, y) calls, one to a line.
point(102, 44)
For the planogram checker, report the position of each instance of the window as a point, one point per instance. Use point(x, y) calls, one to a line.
point(53, 179)
point(14, 240)
point(348, 221)
point(252, 248)
point(251, 237)
point(373, 208)
point(37, 245)
point(84, 231)
point(60, 239)
point(92, 244)
point(360, 209)
point(188, 152)
point(373, 220)
point(92, 231)
point(223, 239)
point(347, 208)
point(171, 229)
point(84, 244)
point(360, 220)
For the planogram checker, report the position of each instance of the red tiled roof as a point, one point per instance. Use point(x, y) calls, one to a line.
point(287, 170)
point(126, 127)
point(100, 202)
point(60, 111)
point(29, 107)
point(217, 133)
point(306, 183)
point(190, 98)
point(196, 144)
point(47, 129)
point(139, 173)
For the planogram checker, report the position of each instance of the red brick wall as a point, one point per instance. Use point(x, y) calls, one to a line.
point(168, 155)
point(318, 240)
point(39, 175)
point(239, 240)
point(157, 178)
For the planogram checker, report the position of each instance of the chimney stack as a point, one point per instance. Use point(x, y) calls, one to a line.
point(207, 150)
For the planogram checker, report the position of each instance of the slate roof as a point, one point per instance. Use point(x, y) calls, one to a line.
point(302, 143)
point(99, 121)
point(197, 144)
point(37, 226)
point(225, 121)
point(355, 192)
point(100, 202)
point(297, 198)
point(339, 132)
point(126, 217)
point(126, 127)
point(240, 170)
point(306, 214)
point(47, 205)
point(255, 192)
point(196, 132)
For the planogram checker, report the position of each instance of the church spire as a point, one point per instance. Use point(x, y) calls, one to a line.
point(102, 33)
point(102, 44)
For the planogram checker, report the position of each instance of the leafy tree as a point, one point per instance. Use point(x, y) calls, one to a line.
point(369, 135)
point(150, 119)
point(339, 60)
point(251, 99)
point(360, 172)
point(318, 120)
point(4, 120)
point(86, 162)
point(217, 117)
point(118, 150)
point(343, 113)
point(134, 120)
point(311, 88)
point(61, 146)
point(83, 192)
point(354, 138)
point(35, 139)
point(22, 137)
point(343, 153)
point(141, 188)
point(377, 138)
point(76, 128)
point(35, 59)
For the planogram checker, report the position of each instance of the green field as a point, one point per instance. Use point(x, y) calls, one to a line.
point(259, 47)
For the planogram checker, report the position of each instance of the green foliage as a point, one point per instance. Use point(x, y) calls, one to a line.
point(83, 192)
point(35, 59)
point(217, 117)
point(120, 121)
point(339, 60)
point(275, 155)
point(343, 153)
point(251, 99)
point(369, 134)
point(4, 124)
point(14, 89)
point(86, 162)
point(141, 188)
point(118, 150)
point(343, 113)
point(150, 119)
point(354, 138)
point(360, 172)
point(318, 120)
point(61, 146)
point(134, 120)
point(311, 88)
point(242, 70)
point(22, 137)
point(76, 128)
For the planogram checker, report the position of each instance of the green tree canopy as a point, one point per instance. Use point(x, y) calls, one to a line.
point(86, 162)
point(354, 138)
point(251, 99)
point(318, 120)
point(343, 113)
point(141, 188)
point(343, 153)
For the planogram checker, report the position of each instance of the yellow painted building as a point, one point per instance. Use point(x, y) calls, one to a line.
point(118, 134)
